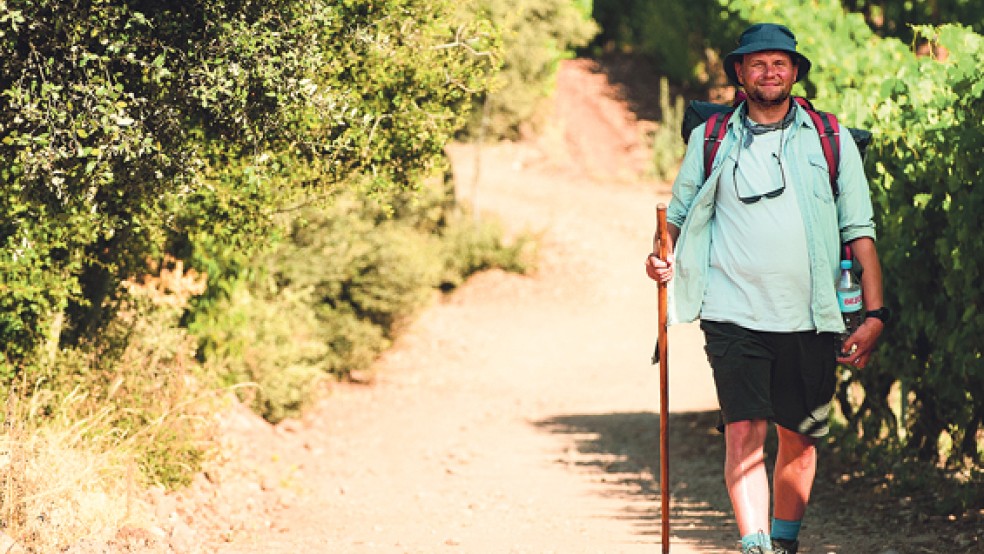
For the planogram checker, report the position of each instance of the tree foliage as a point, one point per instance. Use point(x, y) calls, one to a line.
point(676, 35)
point(128, 126)
point(895, 18)
point(536, 36)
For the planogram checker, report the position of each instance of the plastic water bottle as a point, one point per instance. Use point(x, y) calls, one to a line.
point(849, 299)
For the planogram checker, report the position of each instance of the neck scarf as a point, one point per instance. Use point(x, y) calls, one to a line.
point(762, 128)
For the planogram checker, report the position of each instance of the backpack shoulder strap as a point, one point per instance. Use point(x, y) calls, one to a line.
point(717, 126)
point(827, 129)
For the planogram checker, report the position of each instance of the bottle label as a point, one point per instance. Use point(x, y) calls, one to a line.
point(849, 302)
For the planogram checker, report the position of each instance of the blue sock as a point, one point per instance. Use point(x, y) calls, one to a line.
point(785, 530)
point(757, 538)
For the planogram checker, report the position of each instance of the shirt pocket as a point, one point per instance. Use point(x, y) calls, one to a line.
point(819, 174)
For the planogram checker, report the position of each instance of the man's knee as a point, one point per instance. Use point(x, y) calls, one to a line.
point(746, 434)
point(797, 449)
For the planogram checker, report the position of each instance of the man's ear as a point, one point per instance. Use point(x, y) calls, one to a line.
point(738, 72)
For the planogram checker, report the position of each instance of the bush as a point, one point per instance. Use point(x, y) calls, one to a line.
point(536, 35)
point(141, 381)
point(133, 405)
point(271, 351)
point(896, 18)
point(100, 104)
point(134, 128)
point(668, 150)
point(674, 34)
point(337, 289)
point(471, 245)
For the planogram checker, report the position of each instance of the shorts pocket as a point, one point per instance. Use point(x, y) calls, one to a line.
point(717, 341)
point(717, 349)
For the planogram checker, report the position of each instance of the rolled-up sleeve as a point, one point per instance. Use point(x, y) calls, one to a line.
point(854, 210)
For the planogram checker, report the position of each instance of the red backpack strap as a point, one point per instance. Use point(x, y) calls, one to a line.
point(827, 129)
point(714, 131)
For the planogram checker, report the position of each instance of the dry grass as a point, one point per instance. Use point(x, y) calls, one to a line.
point(57, 485)
point(80, 443)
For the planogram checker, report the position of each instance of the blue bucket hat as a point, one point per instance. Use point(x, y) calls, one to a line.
point(766, 36)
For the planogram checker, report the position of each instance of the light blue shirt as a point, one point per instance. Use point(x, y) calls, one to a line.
point(826, 222)
point(747, 285)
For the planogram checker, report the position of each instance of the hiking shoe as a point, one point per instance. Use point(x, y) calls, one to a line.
point(755, 550)
point(783, 546)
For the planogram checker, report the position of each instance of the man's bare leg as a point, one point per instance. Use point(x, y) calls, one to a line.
point(745, 475)
point(796, 467)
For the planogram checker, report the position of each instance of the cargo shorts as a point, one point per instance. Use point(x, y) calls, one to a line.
point(788, 378)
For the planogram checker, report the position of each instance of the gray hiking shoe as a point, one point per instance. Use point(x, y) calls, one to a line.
point(783, 546)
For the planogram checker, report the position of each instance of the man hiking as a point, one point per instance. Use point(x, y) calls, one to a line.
point(756, 247)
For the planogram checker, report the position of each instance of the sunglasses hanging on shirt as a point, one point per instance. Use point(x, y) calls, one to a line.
point(759, 129)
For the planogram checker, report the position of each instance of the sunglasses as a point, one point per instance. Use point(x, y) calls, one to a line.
point(772, 194)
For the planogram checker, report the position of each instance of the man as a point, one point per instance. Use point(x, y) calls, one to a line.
point(756, 245)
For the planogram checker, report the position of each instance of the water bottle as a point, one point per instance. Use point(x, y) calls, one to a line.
point(849, 299)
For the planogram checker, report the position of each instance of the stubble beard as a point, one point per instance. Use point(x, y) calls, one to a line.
point(762, 100)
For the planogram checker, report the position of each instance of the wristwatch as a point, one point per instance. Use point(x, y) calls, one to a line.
point(884, 314)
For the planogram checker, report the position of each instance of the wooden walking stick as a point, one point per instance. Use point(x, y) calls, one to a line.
point(664, 384)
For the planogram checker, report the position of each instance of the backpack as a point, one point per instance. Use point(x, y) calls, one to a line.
point(718, 115)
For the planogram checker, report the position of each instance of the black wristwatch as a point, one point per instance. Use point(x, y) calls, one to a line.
point(884, 314)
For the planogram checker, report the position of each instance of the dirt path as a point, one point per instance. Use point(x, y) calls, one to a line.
point(488, 425)
point(518, 414)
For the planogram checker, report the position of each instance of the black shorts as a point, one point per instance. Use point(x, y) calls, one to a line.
point(788, 378)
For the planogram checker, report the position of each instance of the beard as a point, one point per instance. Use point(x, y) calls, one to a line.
point(756, 95)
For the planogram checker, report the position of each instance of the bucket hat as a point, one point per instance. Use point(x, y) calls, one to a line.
point(766, 36)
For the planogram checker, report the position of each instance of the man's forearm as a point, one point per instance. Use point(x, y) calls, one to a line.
point(871, 278)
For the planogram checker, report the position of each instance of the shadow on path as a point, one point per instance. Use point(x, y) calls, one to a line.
point(622, 451)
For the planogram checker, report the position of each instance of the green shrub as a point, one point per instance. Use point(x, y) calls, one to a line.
point(536, 35)
point(668, 149)
point(326, 299)
point(896, 18)
point(471, 245)
point(138, 388)
point(270, 350)
point(330, 296)
point(674, 34)
point(99, 107)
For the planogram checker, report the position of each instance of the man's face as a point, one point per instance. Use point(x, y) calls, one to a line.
point(768, 76)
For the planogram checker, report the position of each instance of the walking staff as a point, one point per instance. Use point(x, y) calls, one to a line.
point(662, 248)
